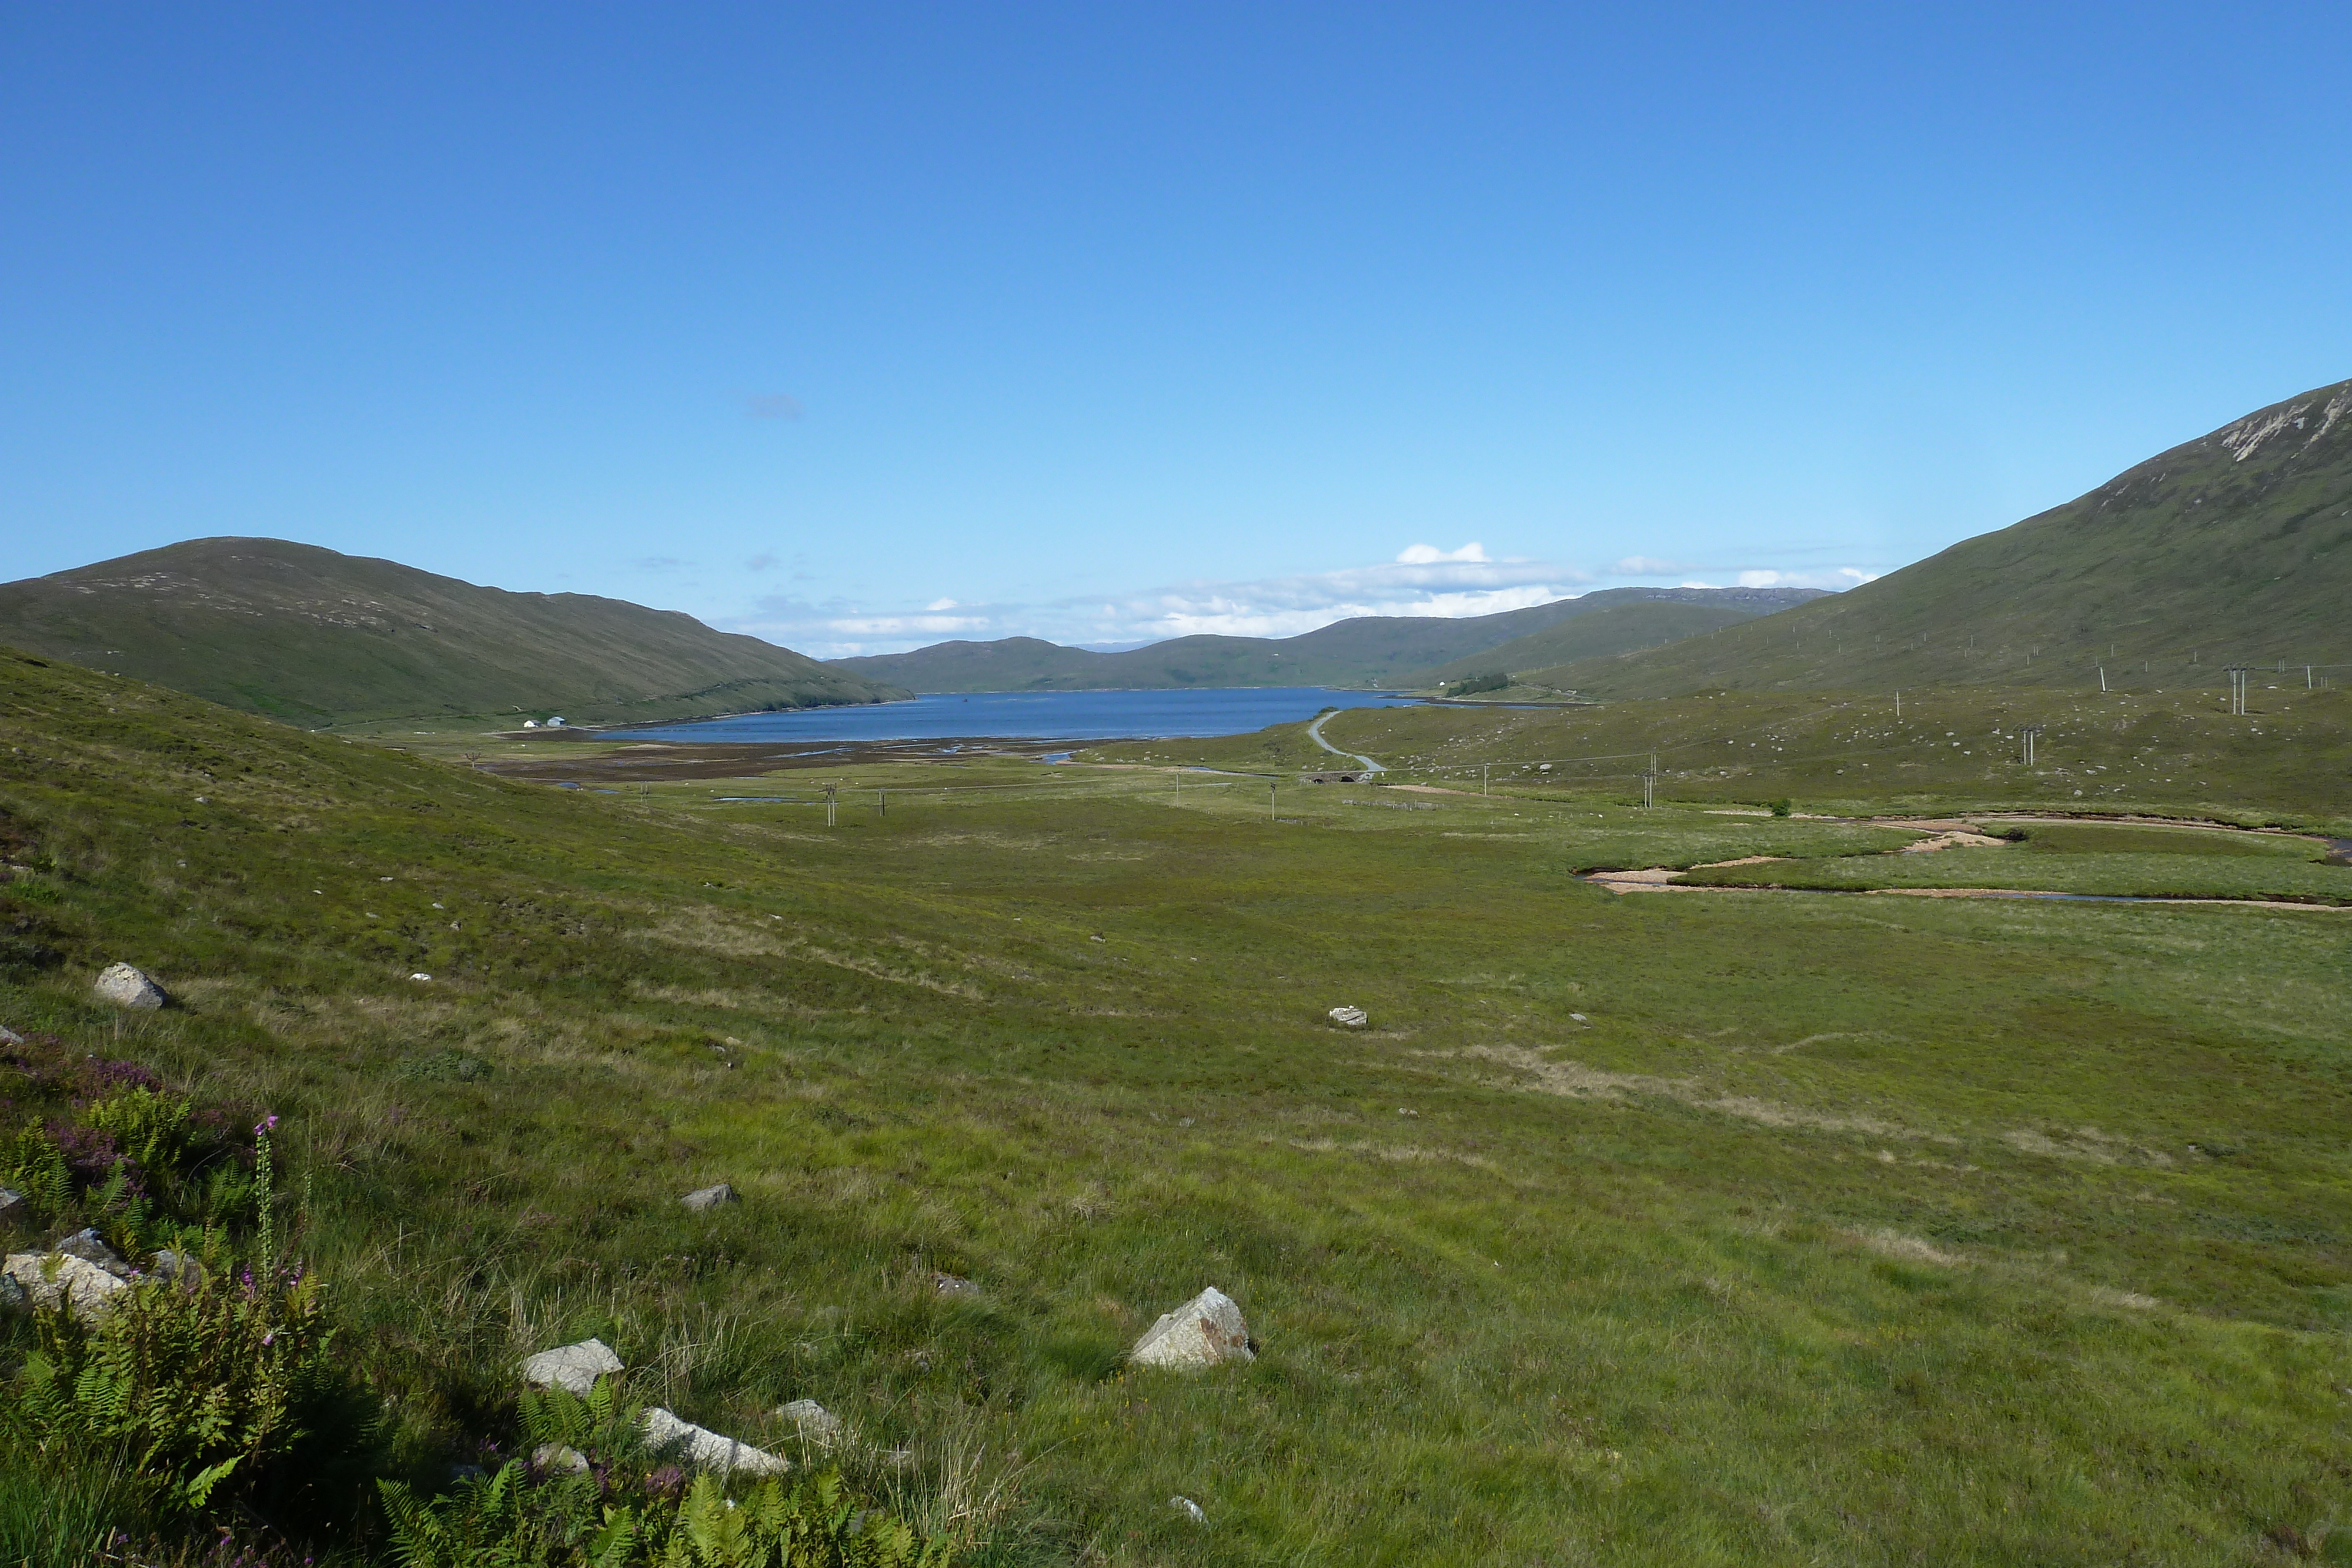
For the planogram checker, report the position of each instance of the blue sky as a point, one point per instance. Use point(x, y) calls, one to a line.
point(860, 326)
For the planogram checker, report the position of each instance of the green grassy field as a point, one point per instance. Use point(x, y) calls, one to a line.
point(1651, 1229)
point(2171, 753)
point(2111, 875)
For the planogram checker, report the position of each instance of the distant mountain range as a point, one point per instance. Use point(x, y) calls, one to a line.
point(314, 637)
point(2233, 548)
point(1366, 651)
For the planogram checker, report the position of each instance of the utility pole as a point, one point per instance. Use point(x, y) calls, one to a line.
point(1483, 788)
point(1649, 790)
point(2103, 679)
point(2237, 673)
point(832, 798)
point(2026, 736)
point(1898, 705)
point(1270, 788)
point(2306, 677)
point(883, 795)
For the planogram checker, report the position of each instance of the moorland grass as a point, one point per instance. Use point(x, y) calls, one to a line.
point(2177, 753)
point(1854, 1230)
point(2095, 875)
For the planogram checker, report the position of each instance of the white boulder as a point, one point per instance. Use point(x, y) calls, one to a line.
point(812, 1421)
point(1348, 1018)
point(701, 1449)
point(61, 1282)
point(710, 1198)
point(1204, 1331)
point(128, 987)
point(572, 1368)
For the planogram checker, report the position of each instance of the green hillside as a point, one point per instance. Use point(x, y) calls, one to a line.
point(1730, 1228)
point(2235, 548)
point(1616, 628)
point(320, 639)
point(1363, 651)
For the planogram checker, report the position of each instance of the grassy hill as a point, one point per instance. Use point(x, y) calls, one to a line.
point(2235, 548)
point(1613, 629)
point(318, 638)
point(1364, 651)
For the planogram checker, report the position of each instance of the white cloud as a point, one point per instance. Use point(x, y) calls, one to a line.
point(1430, 555)
point(1422, 580)
point(1464, 581)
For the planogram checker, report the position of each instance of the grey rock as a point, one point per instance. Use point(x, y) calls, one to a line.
point(181, 1265)
point(952, 1285)
point(128, 987)
point(1206, 1331)
point(1348, 1018)
point(12, 1204)
point(1189, 1509)
point(11, 1295)
point(9, 1036)
point(553, 1458)
point(701, 1449)
point(710, 1197)
point(92, 1248)
point(812, 1421)
point(59, 1281)
point(572, 1368)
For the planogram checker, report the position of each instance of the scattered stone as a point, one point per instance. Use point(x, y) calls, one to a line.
point(953, 1285)
point(812, 1421)
point(710, 1197)
point(1189, 1509)
point(550, 1457)
point(9, 1036)
point(572, 1368)
point(1204, 1331)
point(59, 1280)
point(1579, 1018)
point(10, 1203)
point(1350, 1018)
point(704, 1449)
point(128, 987)
point(420, 976)
point(91, 1247)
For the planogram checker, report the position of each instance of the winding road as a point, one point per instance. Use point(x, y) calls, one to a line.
point(1315, 733)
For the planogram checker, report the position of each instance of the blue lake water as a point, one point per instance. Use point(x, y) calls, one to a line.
point(1036, 716)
